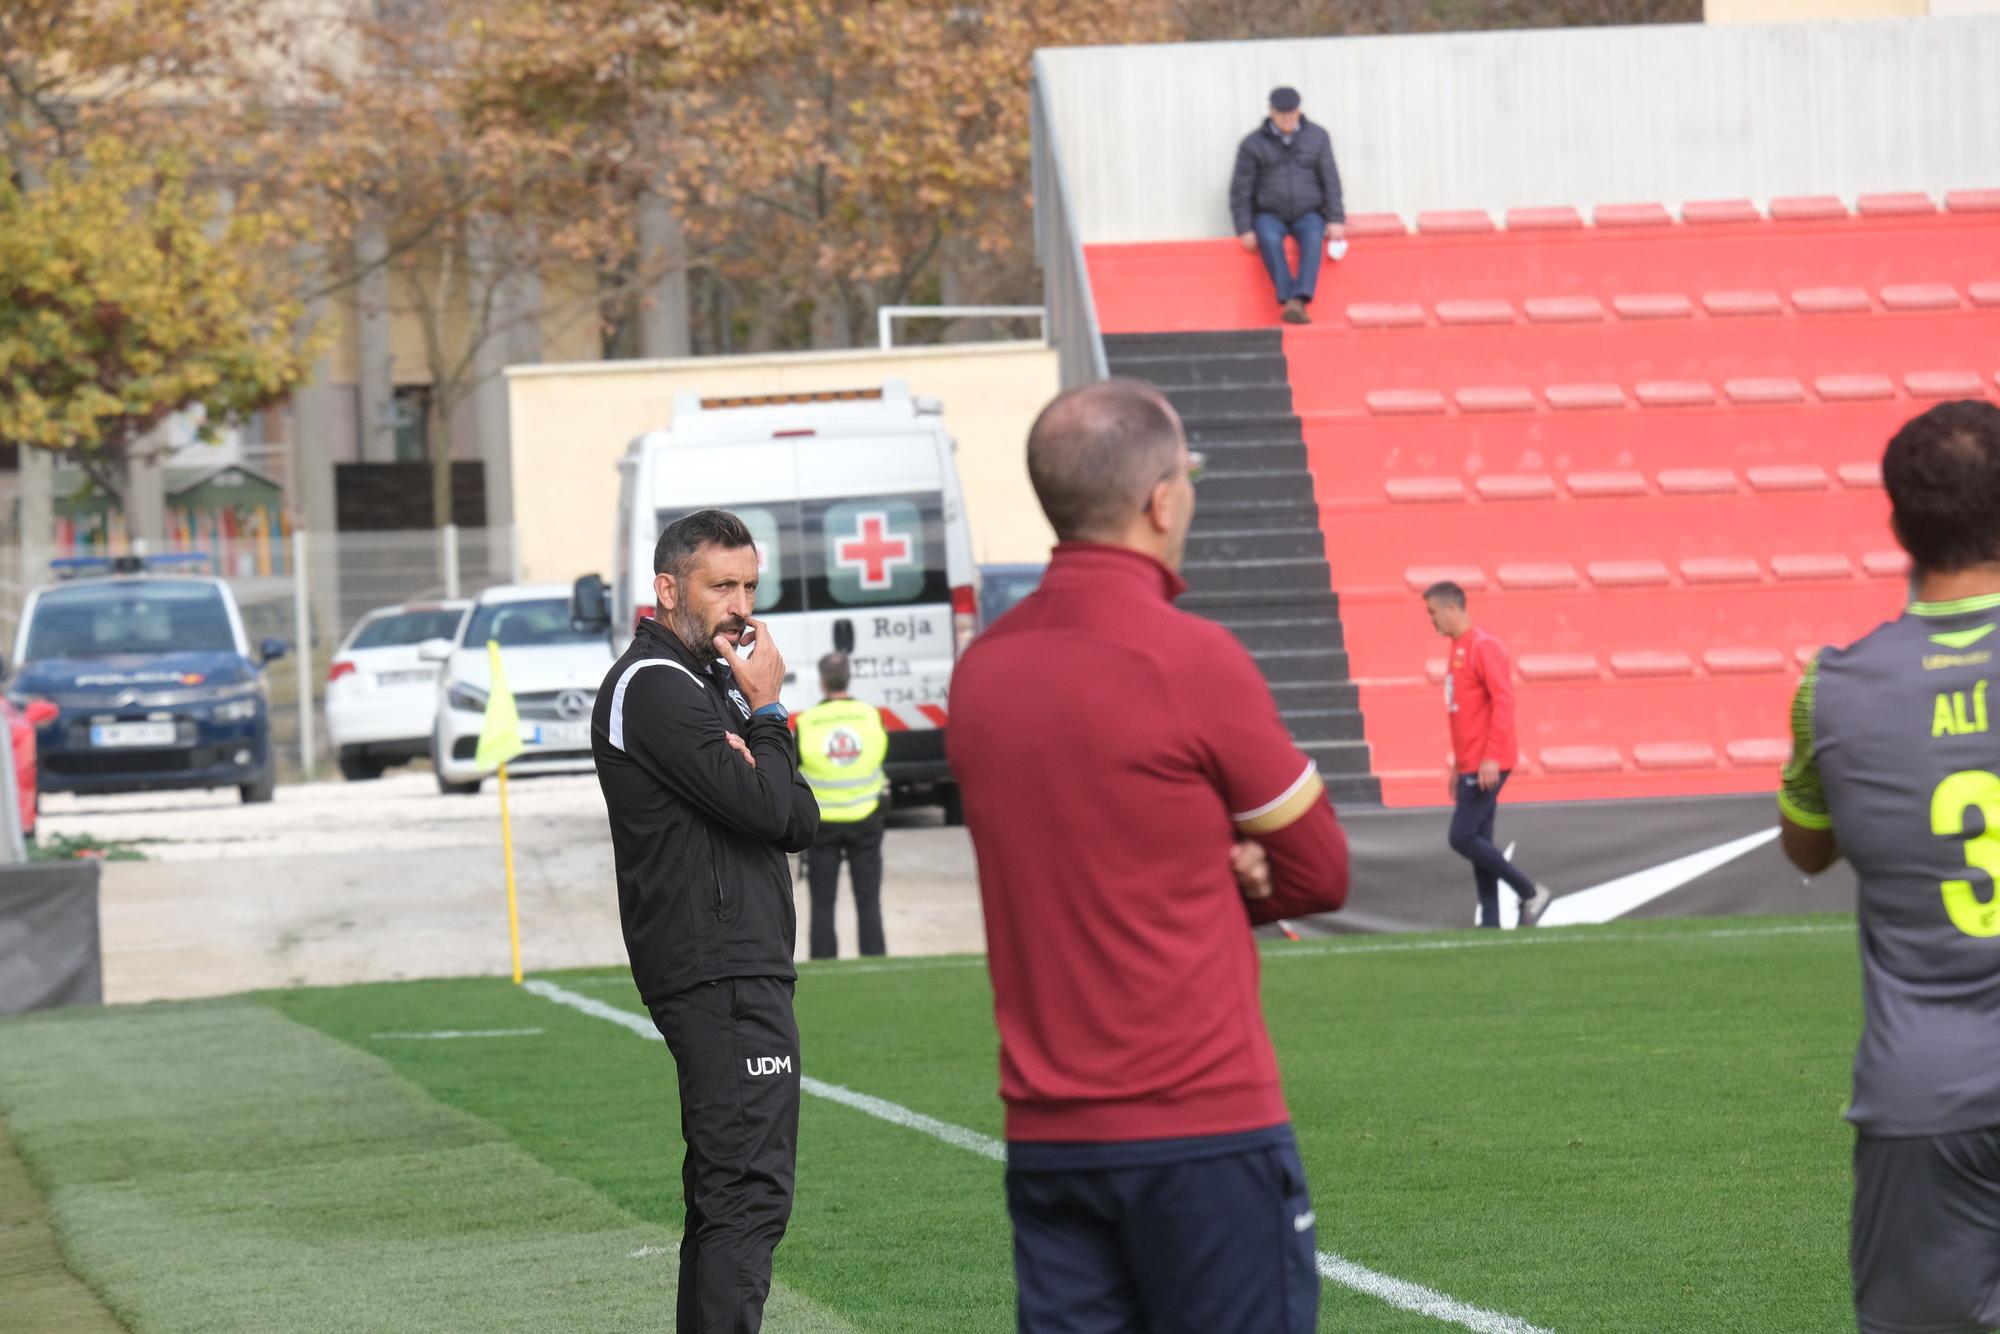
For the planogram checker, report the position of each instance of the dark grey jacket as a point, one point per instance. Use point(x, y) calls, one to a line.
point(1290, 180)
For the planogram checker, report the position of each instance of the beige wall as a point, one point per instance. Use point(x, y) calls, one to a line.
point(1791, 11)
point(571, 424)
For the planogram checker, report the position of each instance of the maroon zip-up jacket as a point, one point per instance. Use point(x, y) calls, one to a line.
point(1110, 750)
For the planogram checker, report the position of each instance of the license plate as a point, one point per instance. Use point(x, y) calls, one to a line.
point(560, 734)
point(421, 676)
point(131, 734)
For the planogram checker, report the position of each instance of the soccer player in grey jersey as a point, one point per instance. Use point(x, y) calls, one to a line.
point(1896, 766)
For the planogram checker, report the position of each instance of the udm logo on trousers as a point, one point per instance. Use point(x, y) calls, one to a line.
point(768, 1065)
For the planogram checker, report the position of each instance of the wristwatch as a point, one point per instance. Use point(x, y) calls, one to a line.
point(771, 710)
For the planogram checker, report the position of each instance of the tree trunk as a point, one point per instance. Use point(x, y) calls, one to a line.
point(441, 423)
point(663, 278)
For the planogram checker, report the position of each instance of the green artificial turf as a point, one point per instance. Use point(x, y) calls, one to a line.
point(1627, 1128)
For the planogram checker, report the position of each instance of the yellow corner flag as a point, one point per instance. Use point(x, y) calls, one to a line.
point(499, 742)
point(500, 732)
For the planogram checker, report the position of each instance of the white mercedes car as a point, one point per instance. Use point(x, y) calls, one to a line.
point(381, 697)
point(553, 670)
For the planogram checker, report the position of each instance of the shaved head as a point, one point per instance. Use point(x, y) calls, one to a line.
point(1095, 454)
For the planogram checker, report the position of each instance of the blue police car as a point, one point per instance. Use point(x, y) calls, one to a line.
point(152, 677)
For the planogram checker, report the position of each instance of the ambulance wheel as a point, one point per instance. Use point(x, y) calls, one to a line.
point(954, 809)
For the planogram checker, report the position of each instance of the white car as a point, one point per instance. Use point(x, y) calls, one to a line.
point(553, 669)
point(381, 697)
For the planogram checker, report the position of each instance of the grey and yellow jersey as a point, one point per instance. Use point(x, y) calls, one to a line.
point(1894, 751)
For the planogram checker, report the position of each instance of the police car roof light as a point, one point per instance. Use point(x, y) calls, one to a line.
point(71, 567)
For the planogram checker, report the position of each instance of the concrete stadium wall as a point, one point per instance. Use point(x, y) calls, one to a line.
point(571, 423)
point(1146, 135)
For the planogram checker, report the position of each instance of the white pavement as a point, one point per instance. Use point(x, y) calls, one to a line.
point(335, 883)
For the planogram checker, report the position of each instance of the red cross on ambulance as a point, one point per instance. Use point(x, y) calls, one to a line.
point(874, 550)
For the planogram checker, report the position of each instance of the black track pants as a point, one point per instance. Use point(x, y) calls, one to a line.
point(737, 1049)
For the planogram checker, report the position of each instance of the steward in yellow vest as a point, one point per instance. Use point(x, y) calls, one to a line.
point(841, 748)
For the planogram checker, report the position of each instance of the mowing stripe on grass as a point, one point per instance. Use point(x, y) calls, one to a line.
point(1558, 936)
point(216, 1167)
point(1395, 1291)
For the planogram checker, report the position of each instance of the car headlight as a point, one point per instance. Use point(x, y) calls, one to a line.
point(469, 698)
point(237, 710)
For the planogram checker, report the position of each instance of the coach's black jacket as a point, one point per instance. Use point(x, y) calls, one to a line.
point(700, 837)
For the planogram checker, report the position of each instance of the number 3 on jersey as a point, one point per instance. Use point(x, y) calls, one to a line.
point(1954, 796)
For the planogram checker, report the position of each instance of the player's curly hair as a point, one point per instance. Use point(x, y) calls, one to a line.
point(1942, 471)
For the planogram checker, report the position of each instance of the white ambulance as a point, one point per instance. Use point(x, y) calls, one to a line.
point(854, 501)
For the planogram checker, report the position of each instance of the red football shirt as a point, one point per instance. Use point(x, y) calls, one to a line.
point(1110, 749)
point(1479, 699)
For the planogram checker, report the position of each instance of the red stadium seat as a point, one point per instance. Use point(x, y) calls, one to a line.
point(1543, 219)
point(1721, 570)
point(1789, 477)
point(1564, 309)
point(1404, 402)
point(1764, 389)
point(1812, 567)
point(1697, 481)
point(1605, 485)
point(1830, 300)
point(1674, 755)
point(1629, 574)
point(1973, 201)
point(1385, 315)
point(1742, 661)
point(1515, 486)
point(1575, 397)
point(1920, 296)
point(1699, 211)
point(1632, 215)
point(1853, 388)
point(1944, 384)
point(1894, 205)
point(1752, 302)
point(1558, 667)
point(1581, 759)
point(1807, 208)
point(1652, 306)
point(1537, 576)
point(1651, 663)
point(1375, 224)
point(1424, 490)
point(1673, 393)
point(1475, 312)
point(1759, 751)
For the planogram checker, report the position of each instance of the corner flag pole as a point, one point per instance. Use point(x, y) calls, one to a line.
point(499, 742)
point(507, 850)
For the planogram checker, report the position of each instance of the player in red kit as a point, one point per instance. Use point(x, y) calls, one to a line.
point(1479, 701)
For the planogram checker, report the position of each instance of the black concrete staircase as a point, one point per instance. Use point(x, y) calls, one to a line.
point(1255, 561)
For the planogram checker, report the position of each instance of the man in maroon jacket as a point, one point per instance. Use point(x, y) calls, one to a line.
point(1136, 806)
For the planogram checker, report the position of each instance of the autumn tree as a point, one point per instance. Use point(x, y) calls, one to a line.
point(125, 297)
point(437, 161)
point(838, 151)
point(136, 280)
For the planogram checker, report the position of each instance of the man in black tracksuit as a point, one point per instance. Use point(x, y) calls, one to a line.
point(705, 800)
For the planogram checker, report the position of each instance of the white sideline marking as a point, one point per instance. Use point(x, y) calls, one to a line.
point(1395, 1291)
point(448, 1033)
point(1422, 1300)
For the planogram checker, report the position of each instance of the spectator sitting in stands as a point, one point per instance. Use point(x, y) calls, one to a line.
point(1286, 184)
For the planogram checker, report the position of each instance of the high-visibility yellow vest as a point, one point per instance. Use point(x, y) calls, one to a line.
point(841, 747)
